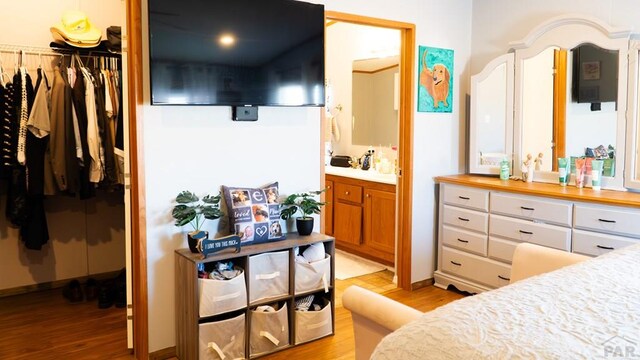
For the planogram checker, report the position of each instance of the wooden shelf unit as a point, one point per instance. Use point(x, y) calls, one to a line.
point(187, 296)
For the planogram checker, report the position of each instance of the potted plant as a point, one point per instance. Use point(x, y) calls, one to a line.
point(193, 210)
point(307, 205)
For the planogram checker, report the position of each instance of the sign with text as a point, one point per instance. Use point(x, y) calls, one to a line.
point(207, 247)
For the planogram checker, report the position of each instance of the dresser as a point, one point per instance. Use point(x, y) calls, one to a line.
point(482, 219)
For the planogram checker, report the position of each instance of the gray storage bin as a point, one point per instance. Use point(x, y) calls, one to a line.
point(313, 276)
point(268, 275)
point(223, 339)
point(311, 325)
point(219, 296)
point(269, 331)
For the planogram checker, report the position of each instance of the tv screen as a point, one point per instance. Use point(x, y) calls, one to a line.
point(236, 52)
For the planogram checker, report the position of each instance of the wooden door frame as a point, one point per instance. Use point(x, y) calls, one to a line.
point(138, 201)
point(404, 187)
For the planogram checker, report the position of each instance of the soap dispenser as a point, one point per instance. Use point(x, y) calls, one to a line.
point(366, 160)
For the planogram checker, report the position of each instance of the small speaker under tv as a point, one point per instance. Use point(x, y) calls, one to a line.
point(244, 113)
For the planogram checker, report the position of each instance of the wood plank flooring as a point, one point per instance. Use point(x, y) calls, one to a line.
point(45, 326)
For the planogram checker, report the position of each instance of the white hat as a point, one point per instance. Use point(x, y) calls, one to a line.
point(76, 30)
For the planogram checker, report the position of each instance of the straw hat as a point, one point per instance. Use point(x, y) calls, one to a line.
point(76, 30)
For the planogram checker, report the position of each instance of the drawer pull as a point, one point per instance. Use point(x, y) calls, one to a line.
point(526, 232)
point(607, 221)
point(462, 219)
point(604, 247)
point(526, 208)
point(463, 197)
point(455, 263)
point(504, 278)
point(463, 241)
point(346, 193)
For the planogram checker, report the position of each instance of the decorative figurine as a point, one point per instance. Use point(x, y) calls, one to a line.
point(538, 161)
point(527, 169)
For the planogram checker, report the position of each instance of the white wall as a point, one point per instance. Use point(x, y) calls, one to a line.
point(200, 148)
point(86, 237)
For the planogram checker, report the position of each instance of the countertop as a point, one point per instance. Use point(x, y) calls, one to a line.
point(368, 175)
point(569, 192)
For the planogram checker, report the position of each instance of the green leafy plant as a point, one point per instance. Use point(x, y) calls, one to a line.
point(305, 203)
point(193, 210)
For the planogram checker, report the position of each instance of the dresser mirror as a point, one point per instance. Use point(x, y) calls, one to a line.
point(569, 93)
point(632, 165)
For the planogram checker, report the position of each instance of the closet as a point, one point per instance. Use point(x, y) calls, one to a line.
point(88, 232)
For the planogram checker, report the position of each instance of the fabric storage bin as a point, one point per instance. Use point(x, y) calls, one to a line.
point(219, 296)
point(223, 339)
point(269, 330)
point(313, 276)
point(311, 325)
point(268, 275)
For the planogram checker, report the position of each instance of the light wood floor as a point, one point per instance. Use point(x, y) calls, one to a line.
point(45, 326)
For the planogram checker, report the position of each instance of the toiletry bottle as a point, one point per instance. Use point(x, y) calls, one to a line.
point(563, 171)
point(504, 169)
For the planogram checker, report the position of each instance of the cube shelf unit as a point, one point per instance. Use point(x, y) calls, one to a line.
point(188, 298)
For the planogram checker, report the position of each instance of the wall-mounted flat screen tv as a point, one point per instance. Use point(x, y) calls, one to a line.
point(236, 52)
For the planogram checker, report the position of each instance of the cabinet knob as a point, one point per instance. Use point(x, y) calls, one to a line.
point(329, 187)
point(346, 193)
point(368, 195)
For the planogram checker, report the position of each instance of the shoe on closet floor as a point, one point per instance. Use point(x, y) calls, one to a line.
point(91, 289)
point(73, 291)
point(105, 295)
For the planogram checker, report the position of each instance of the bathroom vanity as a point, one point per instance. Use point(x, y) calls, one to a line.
point(361, 212)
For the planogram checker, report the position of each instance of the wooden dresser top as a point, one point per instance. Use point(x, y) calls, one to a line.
point(569, 192)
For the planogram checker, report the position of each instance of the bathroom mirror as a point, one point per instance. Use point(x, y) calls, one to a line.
point(375, 101)
point(549, 117)
point(491, 120)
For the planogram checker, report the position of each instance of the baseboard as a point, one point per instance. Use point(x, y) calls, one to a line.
point(163, 354)
point(54, 284)
point(421, 284)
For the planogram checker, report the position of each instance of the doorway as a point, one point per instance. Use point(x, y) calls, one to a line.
point(404, 138)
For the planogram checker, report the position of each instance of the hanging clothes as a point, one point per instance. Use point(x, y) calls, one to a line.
point(119, 143)
point(34, 232)
point(93, 132)
point(85, 189)
point(8, 131)
point(16, 207)
point(106, 139)
point(58, 138)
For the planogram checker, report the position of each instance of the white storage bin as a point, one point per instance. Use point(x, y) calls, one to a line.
point(269, 330)
point(219, 296)
point(311, 325)
point(313, 276)
point(268, 275)
point(223, 339)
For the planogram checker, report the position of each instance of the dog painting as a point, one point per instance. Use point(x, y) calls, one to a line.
point(435, 89)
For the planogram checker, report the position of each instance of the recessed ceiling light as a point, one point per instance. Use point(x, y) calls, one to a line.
point(227, 40)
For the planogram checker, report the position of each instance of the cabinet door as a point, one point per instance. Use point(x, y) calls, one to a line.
point(328, 208)
point(380, 220)
point(347, 225)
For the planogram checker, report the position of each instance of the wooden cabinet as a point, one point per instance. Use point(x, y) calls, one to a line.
point(214, 316)
point(362, 217)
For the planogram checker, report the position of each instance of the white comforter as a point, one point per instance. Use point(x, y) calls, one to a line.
point(585, 311)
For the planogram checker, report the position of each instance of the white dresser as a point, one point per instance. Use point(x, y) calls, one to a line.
point(481, 220)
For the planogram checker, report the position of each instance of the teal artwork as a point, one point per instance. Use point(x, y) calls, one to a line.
point(435, 82)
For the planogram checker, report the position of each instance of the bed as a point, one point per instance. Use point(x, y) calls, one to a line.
point(590, 309)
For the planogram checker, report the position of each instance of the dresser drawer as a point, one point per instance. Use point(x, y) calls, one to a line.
point(502, 249)
point(464, 240)
point(526, 207)
point(352, 193)
point(594, 244)
point(466, 219)
point(466, 197)
point(622, 221)
point(528, 231)
point(475, 268)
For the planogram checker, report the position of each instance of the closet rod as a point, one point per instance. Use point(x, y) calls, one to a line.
point(34, 50)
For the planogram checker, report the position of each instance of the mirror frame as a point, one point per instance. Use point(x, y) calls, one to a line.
point(569, 31)
point(474, 154)
point(631, 178)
